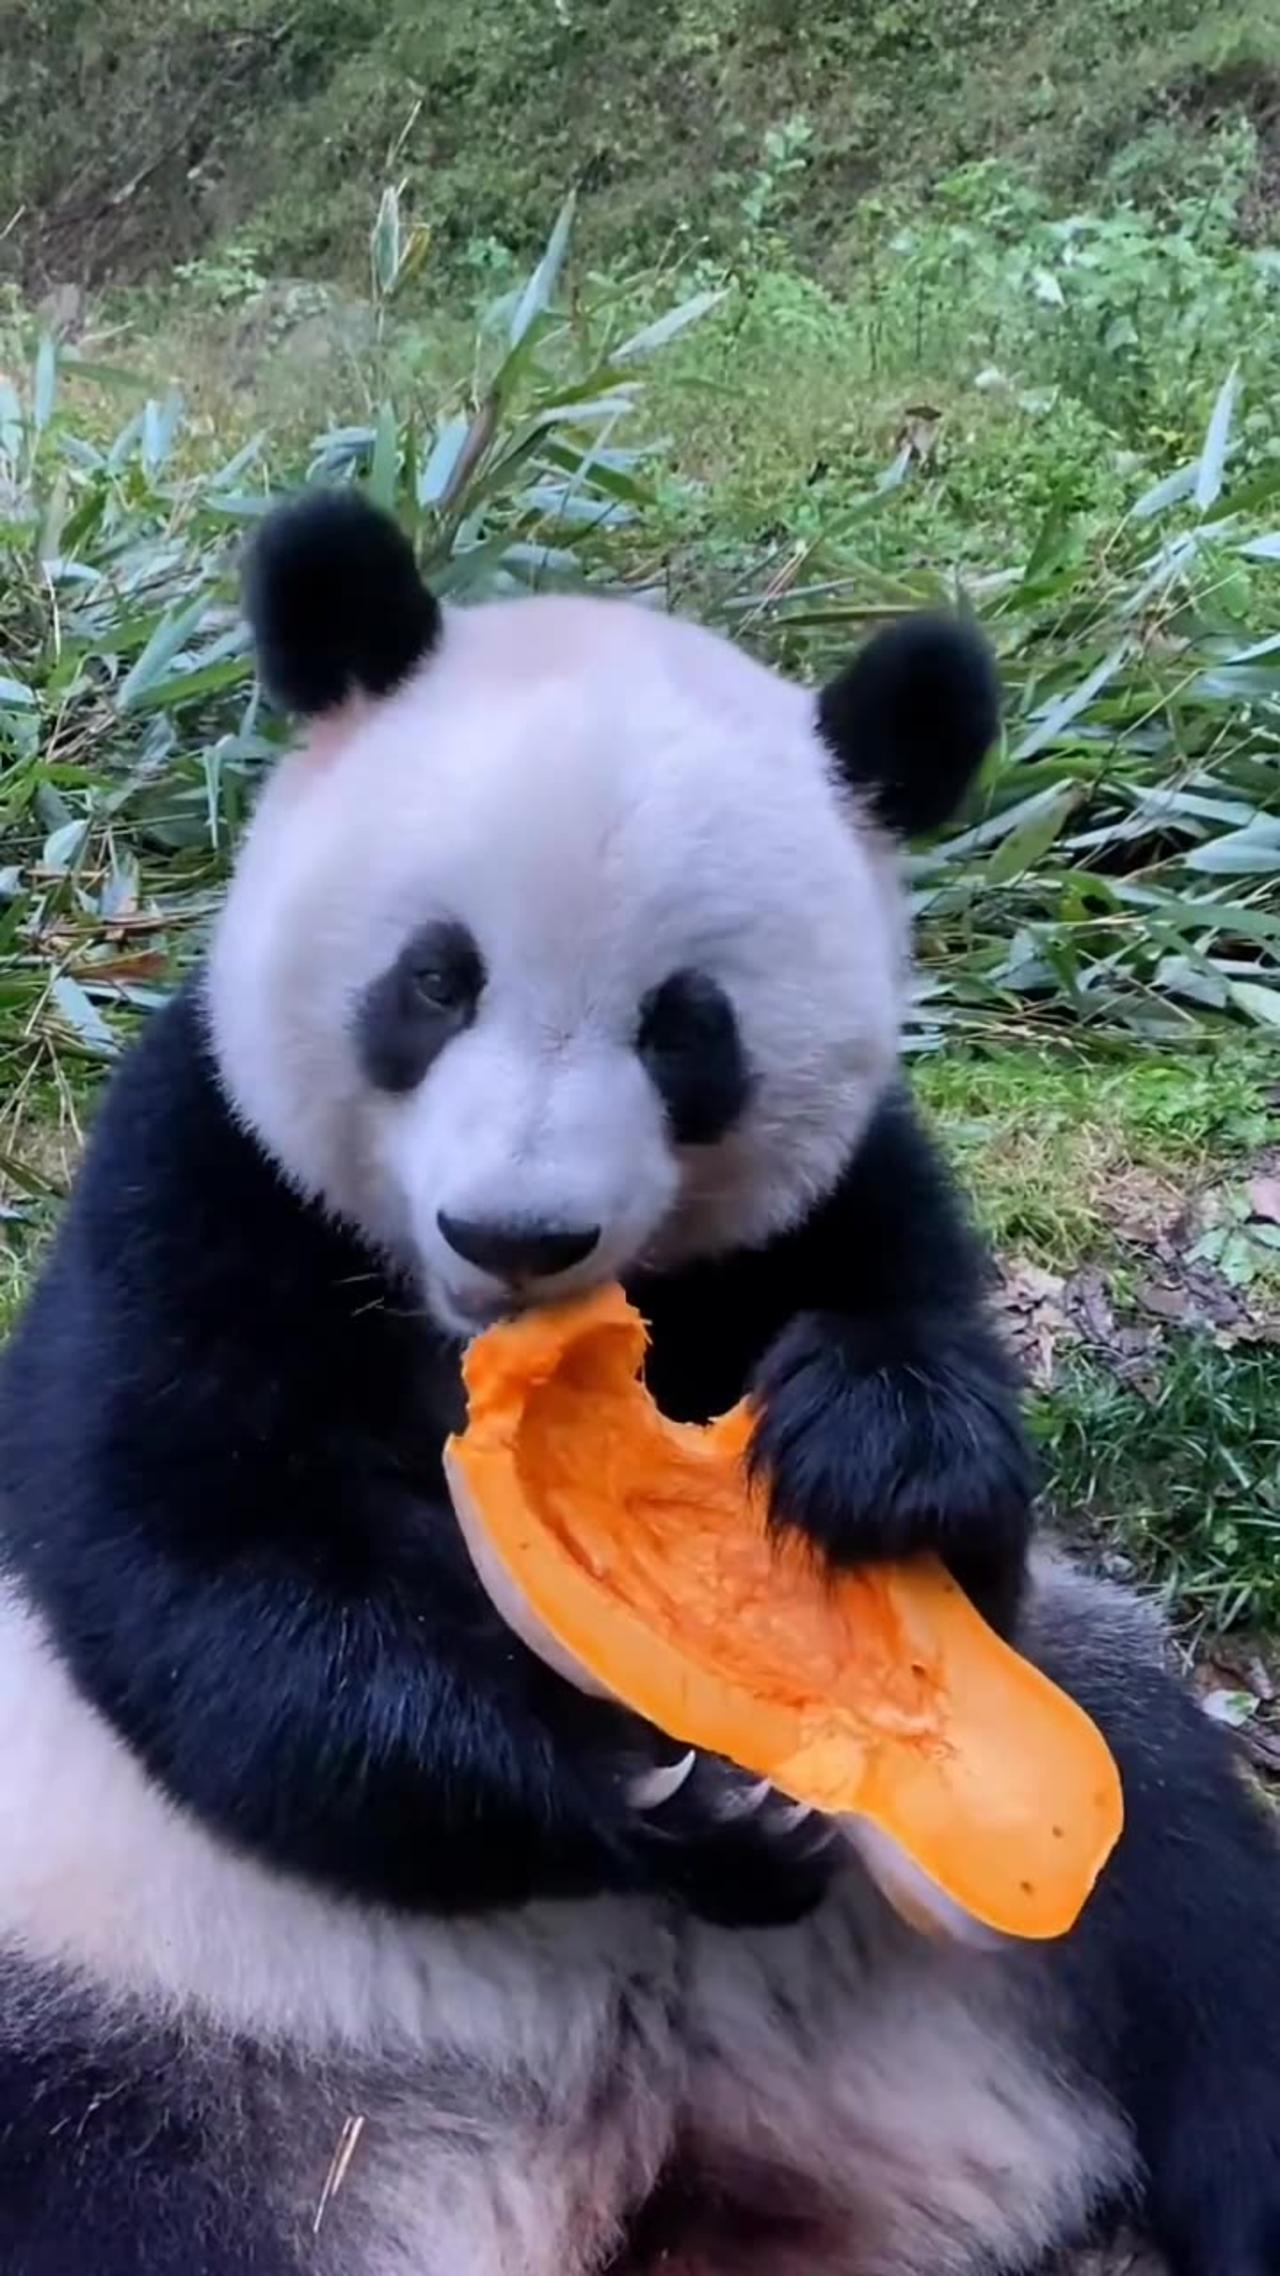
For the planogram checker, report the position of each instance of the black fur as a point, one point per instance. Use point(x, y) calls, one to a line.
point(122, 2151)
point(692, 1051)
point(426, 997)
point(1173, 1972)
point(912, 718)
point(335, 601)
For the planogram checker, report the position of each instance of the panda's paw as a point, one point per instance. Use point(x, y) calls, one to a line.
point(728, 1848)
point(876, 1453)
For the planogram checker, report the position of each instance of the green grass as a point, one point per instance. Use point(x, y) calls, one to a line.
point(1185, 1479)
point(1052, 1142)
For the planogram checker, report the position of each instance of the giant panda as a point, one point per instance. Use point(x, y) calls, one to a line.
point(338, 1935)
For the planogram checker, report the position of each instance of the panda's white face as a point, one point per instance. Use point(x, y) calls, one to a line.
point(569, 955)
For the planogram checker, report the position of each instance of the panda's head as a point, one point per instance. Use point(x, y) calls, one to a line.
point(570, 939)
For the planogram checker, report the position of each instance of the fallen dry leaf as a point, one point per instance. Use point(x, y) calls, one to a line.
point(1245, 1662)
point(1030, 1300)
point(1194, 1295)
point(1129, 1346)
point(1141, 1207)
point(1167, 1301)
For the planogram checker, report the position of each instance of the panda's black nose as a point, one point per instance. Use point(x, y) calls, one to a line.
point(518, 1250)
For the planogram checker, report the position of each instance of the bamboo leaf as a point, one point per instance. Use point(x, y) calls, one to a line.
point(45, 384)
point(1258, 1003)
point(1214, 454)
point(1069, 707)
point(384, 245)
point(1027, 845)
point(79, 1013)
point(446, 450)
point(384, 466)
point(538, 292)
point(1171, 491)
point(667, 328)
point(170, 635)
point(1252, 852)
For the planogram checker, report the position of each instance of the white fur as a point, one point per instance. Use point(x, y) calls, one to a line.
point(911, 2091)
point(603, 795)
point(102, 1873)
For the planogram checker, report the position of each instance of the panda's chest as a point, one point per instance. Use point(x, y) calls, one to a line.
point(709, 1328)
point(824, 2101)
point(534, 2109)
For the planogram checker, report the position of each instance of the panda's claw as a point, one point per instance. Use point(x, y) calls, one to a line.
point(743, 1801)
point(652, 1788)
point(728, 1847)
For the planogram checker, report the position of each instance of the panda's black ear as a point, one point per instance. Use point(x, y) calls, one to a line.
point(335, 602)
point(911, 719)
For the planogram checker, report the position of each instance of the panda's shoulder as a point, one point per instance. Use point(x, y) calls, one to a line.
point(163, 1122)
point(177, 1205)
point(193, 1307)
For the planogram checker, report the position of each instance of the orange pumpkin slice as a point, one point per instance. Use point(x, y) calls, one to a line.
point(631, 1552)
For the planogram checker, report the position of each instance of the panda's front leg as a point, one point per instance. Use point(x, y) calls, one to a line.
point(889, 1412)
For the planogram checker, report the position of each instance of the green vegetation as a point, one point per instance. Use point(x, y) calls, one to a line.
point(1143, 1291)
point(1065, 1150)
point(136, 139)
point(1189, 1468)
point(913, 314)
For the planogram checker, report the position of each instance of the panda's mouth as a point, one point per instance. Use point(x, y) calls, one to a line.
point(464, 1303)
point(465, 1313)
point(469, 1315)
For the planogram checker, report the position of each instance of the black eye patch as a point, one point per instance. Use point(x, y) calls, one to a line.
point(408, 1014)
point(692, 1051)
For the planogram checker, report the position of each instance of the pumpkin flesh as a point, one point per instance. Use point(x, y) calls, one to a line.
point(641, 1555)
